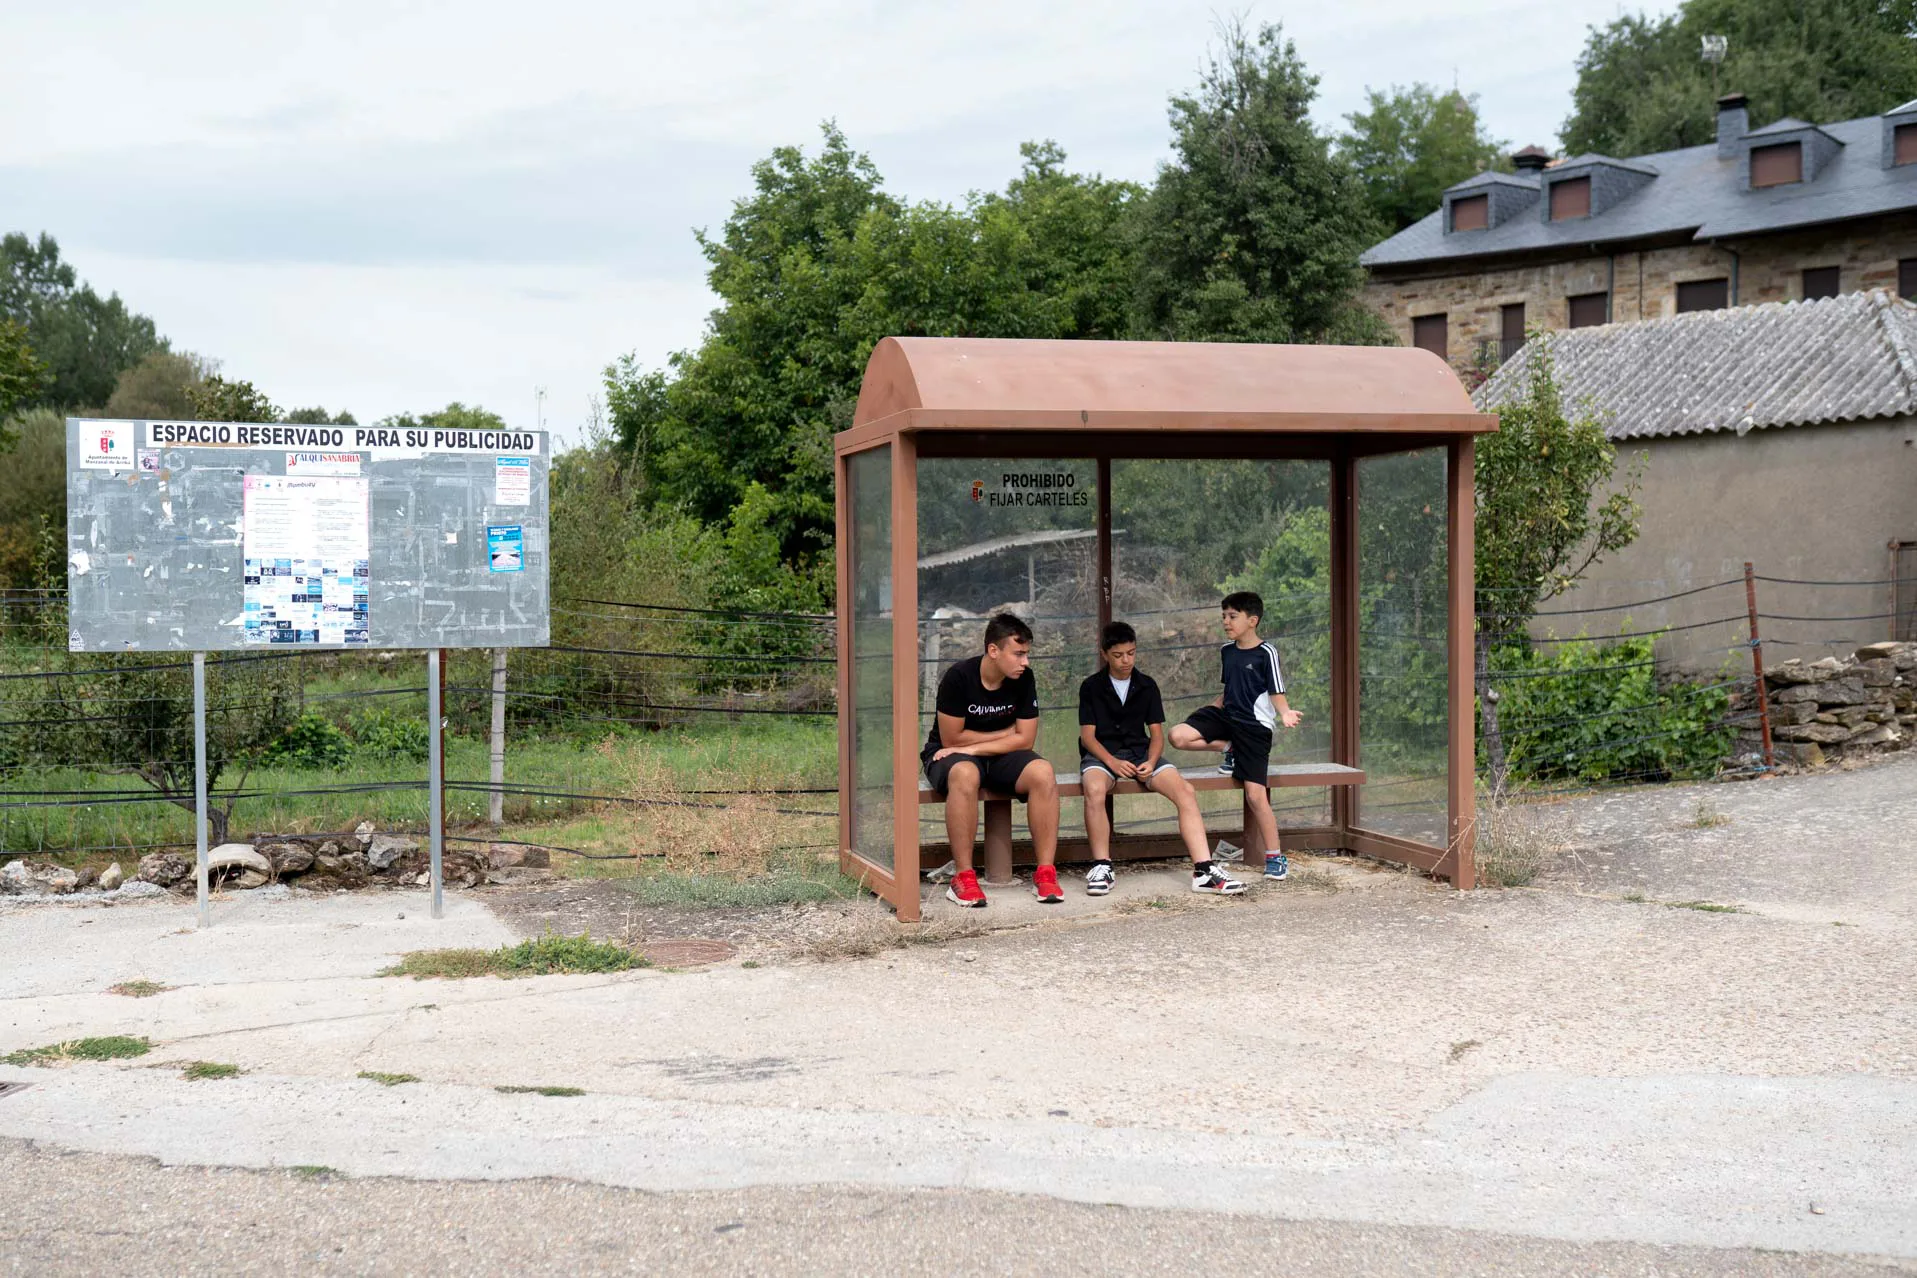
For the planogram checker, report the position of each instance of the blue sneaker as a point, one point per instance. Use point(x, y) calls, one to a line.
point(1227, 764)
point(1276, 866)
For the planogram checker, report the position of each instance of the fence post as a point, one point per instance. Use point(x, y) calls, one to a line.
point(496, 807)
point(1757, 666)
point(435, 773)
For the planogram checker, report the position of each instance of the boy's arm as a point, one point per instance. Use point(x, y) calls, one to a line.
point(1286, 715)
point(1155, 751)
point(956, 738)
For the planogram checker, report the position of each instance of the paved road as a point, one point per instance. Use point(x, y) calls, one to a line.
point(69, 1213)
point(1391, 1060)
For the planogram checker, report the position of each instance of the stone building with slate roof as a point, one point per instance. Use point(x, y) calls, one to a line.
point(1783, 434)
point(1791, 211)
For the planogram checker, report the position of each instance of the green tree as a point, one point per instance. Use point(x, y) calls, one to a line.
point(812, 270)
point(158, 386)
point(1550, 504)
point(86, 340)
point(21, 374)
point(1642, 86)
point(215, 399)
point(1410, 145)
point(33, 496)
point(455, 416)
point(316, 416)
point(1252, 233)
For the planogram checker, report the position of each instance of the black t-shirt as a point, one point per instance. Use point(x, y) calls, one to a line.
point(1120, 725)
point(1252, 678)
point(963, 694)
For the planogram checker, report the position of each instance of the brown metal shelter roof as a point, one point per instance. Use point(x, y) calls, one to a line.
point(929, 384)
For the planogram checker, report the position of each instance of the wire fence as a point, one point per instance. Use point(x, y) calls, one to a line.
point(647, 705)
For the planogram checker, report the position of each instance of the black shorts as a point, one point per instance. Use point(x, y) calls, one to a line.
point(1136, 755)
point(1250, 746)
point(996, 772)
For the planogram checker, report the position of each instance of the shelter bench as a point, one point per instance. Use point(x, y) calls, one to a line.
point(997, 861)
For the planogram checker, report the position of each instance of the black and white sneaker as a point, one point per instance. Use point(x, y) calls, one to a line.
point(1099, 879)
point(1228, 764)
point(1216, 882)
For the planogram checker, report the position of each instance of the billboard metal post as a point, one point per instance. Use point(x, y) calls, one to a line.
point(496, 808)
point(199, 786)
point(435, 773)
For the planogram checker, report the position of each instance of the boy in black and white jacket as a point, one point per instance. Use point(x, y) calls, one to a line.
point(1240, 721)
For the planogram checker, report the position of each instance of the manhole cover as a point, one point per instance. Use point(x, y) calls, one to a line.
point(8, 1089)
point(688, 951)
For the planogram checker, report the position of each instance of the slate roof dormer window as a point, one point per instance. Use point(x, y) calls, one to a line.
point(1904, 145)
point(1472, 213)
point(1570, 197)
point(1777, 165)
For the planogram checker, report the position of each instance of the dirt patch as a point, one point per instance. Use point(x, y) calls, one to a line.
point(609, 910)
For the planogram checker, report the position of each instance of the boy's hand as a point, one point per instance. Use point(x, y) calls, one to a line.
point(1125, 769)
point(1292, 718)
point(947, 750)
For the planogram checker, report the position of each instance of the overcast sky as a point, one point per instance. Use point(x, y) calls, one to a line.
point(387, 206)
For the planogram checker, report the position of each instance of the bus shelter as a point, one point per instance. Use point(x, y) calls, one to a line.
point(1078, 482)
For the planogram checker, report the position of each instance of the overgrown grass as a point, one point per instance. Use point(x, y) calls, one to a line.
point(111, 1048)
point(789, 879)
point(1517, 841)
point(1704, 907)
point(387, 1080)
point(1707, 816)
point(316, 1171)
point(545, 956)
point(541, 1091)
point(139, 989)
point(210, 1069)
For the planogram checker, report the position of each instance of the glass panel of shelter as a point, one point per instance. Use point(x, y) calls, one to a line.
point(869, 503)
point(1403, 738)
point(1184, 534)
point(1020, 536)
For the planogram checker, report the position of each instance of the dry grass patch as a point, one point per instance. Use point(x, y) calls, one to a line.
point(387, 1080)
point(139, 989)
point(875, 934)
point(541, 1091)
point(1519, 840)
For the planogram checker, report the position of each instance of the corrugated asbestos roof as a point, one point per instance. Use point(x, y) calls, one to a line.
point(1693, 193)
point(1780, 364)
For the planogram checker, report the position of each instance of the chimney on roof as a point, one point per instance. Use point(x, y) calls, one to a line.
point(1531, 159)
point(1733, 122)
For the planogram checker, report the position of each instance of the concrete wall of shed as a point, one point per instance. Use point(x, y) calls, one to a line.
point(1808, 502)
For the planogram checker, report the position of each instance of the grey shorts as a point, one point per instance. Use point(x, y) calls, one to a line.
point(1086, 762)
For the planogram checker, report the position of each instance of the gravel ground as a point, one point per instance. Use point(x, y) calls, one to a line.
point(70, 1213)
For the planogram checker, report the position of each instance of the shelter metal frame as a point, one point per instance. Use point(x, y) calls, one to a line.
point(1111, 401)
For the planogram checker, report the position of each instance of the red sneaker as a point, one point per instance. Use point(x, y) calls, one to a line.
point(966, 891)
point(1045, 883)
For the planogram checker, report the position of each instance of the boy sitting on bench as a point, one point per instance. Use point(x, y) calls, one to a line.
point(1121, 737)
point(982, 739)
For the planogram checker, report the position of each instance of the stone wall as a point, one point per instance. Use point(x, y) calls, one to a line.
point(1643, 284)
point(1836, 708)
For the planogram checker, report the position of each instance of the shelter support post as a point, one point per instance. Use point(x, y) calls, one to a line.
point(435, 770)
point(905, 678)
point(1460, 547)
point(842, 643)
point(199, 787)
point(1344, 634)
point(998, 841)
point(1104, 543)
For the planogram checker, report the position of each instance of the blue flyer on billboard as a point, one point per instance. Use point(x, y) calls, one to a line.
point(505, 548)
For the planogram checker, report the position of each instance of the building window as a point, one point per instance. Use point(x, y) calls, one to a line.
point(1510, 330)
point(1778, 165)
point(1432, 333)
point(1903, 145)
point(1471, 214)
point(1820, 281)
point(1570, 198)
point(1907, 279)
point(1590, 309)
point(1703, 295)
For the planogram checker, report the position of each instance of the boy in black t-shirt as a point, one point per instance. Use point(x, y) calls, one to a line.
point(982, 739)
point(1241, 719)
point(1121, 737)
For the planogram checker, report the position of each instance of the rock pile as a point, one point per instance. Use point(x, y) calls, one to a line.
point(318, 863)
point(1844, 707)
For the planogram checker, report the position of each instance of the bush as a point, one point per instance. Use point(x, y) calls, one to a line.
point(389, 734)
point(313, 741)
point(1587, 711)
